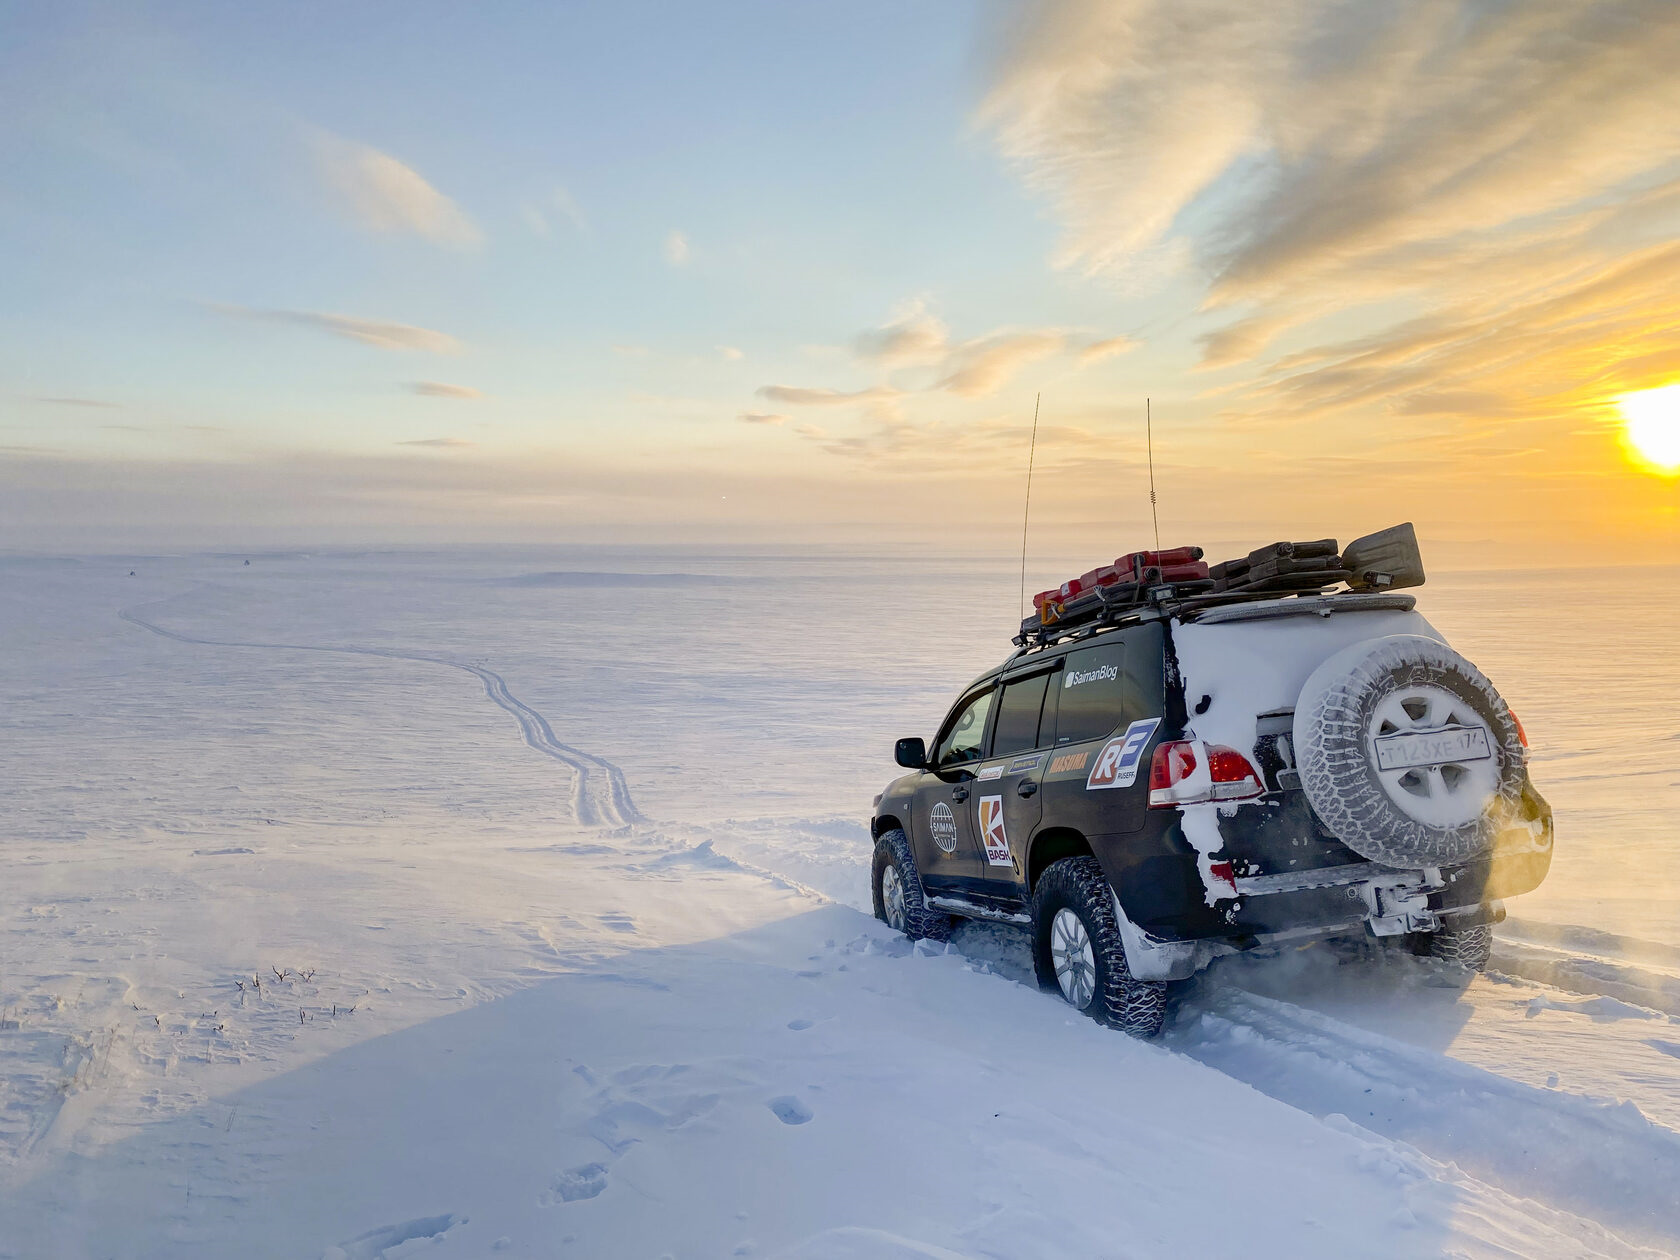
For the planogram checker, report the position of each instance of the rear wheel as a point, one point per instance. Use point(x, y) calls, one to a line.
point(897, 885)
point(1467, 946)
point(1078, 951)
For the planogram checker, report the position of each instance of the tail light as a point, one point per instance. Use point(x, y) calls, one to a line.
point(1517, 722)
point(1190, 772)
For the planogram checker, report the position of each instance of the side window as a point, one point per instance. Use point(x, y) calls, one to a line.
point(1093, 692)
point(1114, 682)
point(964, 734)
point(1017, 720)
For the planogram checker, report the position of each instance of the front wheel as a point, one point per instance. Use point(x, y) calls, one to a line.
point(1078, 951)
point(897, 886)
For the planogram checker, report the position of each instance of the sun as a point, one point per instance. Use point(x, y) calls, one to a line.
point(1651, 427)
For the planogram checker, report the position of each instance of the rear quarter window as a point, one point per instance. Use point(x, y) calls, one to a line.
point(1117, 681)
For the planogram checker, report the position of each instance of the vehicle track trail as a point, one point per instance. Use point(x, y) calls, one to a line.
point(600, 795)
point(1595, 1157)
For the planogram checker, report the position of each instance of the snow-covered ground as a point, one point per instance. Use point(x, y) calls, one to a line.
point(512, 903)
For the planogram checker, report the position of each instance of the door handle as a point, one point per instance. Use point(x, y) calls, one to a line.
point(959, 793)
point(1026, 787)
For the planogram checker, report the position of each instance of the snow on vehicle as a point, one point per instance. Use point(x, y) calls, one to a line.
point(1180, 761)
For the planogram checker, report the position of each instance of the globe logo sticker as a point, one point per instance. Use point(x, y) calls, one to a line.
point(943, 824)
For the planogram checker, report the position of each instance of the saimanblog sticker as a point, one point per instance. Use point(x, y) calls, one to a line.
point(1102, 673)
point(942, 824)
point(992, 835)
point(1117, 764)
point(991, 772)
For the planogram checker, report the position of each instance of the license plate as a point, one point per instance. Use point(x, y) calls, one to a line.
point(1432, 748)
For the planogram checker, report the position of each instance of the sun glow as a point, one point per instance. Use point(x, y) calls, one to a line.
point(1651, 427)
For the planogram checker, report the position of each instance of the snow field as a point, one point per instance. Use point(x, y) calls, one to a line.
point(677, 1037)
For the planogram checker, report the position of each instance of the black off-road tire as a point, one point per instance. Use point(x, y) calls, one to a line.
point(921, 922)
point(1467, 946)
point(1333, 747)
point(1138, 1007)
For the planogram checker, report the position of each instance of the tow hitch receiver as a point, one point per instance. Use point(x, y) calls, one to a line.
point(1399, 902)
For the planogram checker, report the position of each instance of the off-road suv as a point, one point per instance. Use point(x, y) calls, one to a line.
point(1179, 762)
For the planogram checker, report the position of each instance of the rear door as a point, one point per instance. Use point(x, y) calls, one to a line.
point(942, 817)
point(1007, 803)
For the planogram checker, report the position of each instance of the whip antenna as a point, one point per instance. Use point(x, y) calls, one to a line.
point(1027, 511)
point(1149, 439)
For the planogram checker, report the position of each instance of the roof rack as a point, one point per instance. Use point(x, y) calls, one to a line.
point(1176, 581)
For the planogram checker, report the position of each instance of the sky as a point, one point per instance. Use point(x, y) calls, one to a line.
point(764, 273)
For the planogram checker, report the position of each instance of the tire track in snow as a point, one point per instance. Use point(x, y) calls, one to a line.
point(1598, 1159)
point(600, 795)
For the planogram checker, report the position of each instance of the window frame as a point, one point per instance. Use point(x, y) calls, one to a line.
point(948, 727)
point(1049, 669)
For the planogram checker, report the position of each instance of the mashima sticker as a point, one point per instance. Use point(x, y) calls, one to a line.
point(942, 823)
point(1117, 763)
point(992, 834)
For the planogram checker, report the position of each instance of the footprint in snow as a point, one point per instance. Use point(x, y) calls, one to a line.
point(583, 1182)
point(799, 1025)
point(374, 1244)
point(789, 1110)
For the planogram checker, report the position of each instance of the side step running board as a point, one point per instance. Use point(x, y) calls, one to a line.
point(973, 910)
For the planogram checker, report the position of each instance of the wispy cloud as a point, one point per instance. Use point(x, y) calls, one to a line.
point(913, 338)
point(438, 441)
point(74, 402)
point(915, 353)
point(731, 353)
point(387, 195)
point(1491, 165)
point(984, 366)
point(797, 396)
point(437, 389)
point(383, 334)
point(676, 249)
point(559, 203)
point(762, 417)
point(1096, 351)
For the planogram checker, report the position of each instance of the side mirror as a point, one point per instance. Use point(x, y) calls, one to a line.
point(911, 753)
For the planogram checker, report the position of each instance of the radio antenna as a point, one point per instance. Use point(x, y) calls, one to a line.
point(1149, 439)
point(1027, 510)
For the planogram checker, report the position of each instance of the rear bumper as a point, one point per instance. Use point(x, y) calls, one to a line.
point(1350, 894)
point(1392, 902)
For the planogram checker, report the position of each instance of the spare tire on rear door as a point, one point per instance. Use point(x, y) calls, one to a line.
point(1407, 753)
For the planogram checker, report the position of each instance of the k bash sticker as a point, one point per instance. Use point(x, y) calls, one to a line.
point(992, 834)
point(1117, 764)
point(991, 772)
point(1068, 761)
point(942, 823)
